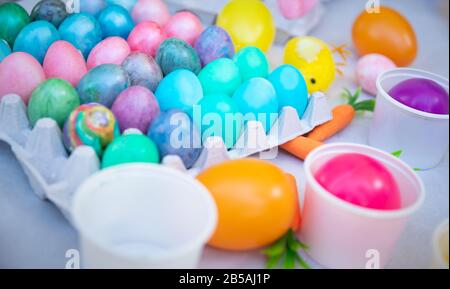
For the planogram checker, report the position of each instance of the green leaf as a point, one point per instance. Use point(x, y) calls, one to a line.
point(365, 105)
point(302, 262)
point(418, 170)
point(273, 261)
point(397, 154)
point(289, 260)
point(278, 248)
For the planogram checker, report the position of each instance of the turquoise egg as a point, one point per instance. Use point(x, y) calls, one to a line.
point(127, 4)
point(291, 89)
point(36, 38)
point(92, 7)
point(83, 31)
point(174, 54)
point(220, 76)
point(252, 62)
point(179, 90)
point(219, 115)
point(257, 100)
point(103, 84)
point(4, 49)
point(116, 21)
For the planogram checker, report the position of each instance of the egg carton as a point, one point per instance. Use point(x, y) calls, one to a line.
point(55, 175)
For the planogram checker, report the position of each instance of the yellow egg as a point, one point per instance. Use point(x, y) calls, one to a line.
point(314, 59)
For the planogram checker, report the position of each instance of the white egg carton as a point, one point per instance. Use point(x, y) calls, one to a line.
point(55, 176)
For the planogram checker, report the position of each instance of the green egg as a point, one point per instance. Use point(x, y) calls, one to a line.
point(54, 98)
point(221, 76)
point(132, 148)
point(13, 18)
point(252, 63)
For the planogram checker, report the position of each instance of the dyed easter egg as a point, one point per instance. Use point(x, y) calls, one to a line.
point(64, 61)
point(174, 54)
point(92, 7)
point(55, 98)
point(103, 84)
point(83, 31)
point(151, 10)
point(179, 90)
point(127, 4)
point(146, 37)
point(13, 18)
point(53, 11)
point(132, 148)
point(184, 25)
point(90, 125)
point(249, 23)
point(116, 21)
point(252, 62)
point(112, 50)
point(220, 76)
point(368, 69)
point(360, 180)
point(290, 87)
point(175, 134)
point(20, 73)
point(214, 43)
point(314, 59)
point(219, 116)
point(136, 107)
point(36, 38)
point(293, 9)
point(143, 70)
point(388, 33)
point(5, 50)
point(257, 100)
point(422, 94)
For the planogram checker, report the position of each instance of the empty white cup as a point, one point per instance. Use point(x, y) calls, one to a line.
point(143, 216)
point(343, 235)
point(440, 247)
point(421, 136)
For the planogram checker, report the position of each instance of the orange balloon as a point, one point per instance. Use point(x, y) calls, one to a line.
point(255, 201)
point(387, 33)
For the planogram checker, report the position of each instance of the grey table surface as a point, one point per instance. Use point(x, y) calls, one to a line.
point(34, 234)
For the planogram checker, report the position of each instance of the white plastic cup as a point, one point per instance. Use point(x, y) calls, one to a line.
point(343, 235)
point(441, 246)
point(143, 216)
point(422, 137)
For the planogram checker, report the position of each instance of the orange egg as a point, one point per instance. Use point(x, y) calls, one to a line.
point(387, 33)
point(255, 200)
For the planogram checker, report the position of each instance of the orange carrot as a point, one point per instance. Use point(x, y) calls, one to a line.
point(343, 116)
point(297, 217)
point(301, 146)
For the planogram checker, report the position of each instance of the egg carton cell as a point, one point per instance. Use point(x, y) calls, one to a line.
point(55, 175)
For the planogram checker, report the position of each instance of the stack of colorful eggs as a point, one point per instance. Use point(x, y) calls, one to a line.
point(132, 65)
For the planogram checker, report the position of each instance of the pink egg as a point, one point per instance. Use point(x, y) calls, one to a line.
point(64, 61)
point(184, 25)
point(151, 10)
point(369, 68)
point(136, 107)
point(112, 50)
point(292, 9)
point(20, 73)
point(146, 37)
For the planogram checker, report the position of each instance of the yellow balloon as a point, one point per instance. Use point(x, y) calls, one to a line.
point(314, 59)
point(249, 23)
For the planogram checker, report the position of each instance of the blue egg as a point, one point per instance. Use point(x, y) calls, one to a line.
point(180, 89)
point(4, 49)
point(127, 4)
point(92, 7)
point(116, 21)
point(257, 100)
point(218, 115)
point(291, 89)
point(175, 134)
point(36, 38)
point(103, 84)
point(83, 31)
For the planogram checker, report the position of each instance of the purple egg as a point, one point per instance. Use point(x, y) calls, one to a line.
point(214, 43)
point(143, 70)
point(135, 107)
point(422, 94)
